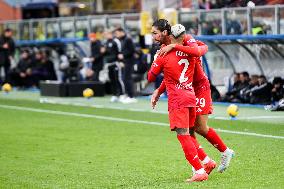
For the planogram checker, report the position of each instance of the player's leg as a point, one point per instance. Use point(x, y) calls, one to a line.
point(207, 162)
point(180, 121)
point(211, 135)
point(190, 153)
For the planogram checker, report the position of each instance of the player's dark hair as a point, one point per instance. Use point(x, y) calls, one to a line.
point(162, 25)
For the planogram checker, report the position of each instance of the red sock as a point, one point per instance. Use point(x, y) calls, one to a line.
point(215, 140)
point(189, 151)
point(201, 153)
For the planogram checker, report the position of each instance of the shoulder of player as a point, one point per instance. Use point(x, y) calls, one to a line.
point(189, 39)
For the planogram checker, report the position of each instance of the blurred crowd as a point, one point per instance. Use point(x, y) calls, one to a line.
point(254, 89)
point(113, 58)
point(216, 4)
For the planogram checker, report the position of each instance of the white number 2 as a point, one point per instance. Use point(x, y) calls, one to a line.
point(182, 77)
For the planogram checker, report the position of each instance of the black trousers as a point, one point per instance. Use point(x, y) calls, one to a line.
point(116, 80)
point(6, 72)
point(128, 80)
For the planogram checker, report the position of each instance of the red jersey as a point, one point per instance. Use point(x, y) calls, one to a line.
point(178, 69)
point(200, 80)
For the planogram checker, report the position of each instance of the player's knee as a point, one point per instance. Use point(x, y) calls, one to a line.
point(202, 130)
point(182, 131)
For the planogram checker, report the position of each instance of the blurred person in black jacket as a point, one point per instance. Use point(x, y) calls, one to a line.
point(261, 94)
point(96, 55)
point(44, 67)
point(277, 91)
point(127, 57)
point(112, 49)
point(234, 94)
point(245, 93)
point(21, 76)
point(7, 50)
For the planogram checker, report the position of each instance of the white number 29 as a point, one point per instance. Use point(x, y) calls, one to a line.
point(182, 77)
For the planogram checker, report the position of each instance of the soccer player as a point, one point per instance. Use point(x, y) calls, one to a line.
point(178, 69)
point(201, 87)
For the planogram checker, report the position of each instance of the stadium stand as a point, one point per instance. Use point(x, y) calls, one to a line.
point(240, 39)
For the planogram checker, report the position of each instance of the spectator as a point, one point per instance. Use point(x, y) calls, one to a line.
point(234, 94)
point(44, 68)
point(127, 56)
point(63, 63)
point(207, 28)
point(97, 56)
point(261, 94)
point(245, 92)
point(71, 71)
point(21, 76)
point(277, 91)
point(36, 61)
point(7, 50)
point(234, 26)
point(112, 49)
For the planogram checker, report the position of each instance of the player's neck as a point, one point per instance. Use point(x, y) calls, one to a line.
point(167, 40)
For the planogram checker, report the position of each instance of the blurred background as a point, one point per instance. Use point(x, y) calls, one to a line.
point(55, 40)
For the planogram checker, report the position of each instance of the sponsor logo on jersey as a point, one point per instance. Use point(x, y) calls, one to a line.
point(186, 87)
point(199, 110)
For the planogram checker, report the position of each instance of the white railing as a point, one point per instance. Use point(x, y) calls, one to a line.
point(227, 21)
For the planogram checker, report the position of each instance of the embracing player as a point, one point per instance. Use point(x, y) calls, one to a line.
point(178, 68)
point(201, 87)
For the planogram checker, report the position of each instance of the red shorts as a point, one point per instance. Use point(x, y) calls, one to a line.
point(204, 104)
point(182, 118)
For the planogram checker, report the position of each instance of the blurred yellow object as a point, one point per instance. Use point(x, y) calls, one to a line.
point(145, 23)
point(88, 93)
point(145, 51)
point(6, 87)
point(233, 110)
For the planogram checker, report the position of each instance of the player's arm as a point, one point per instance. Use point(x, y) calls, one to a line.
point(157, 93)
point(194, 48)
point(155, 70)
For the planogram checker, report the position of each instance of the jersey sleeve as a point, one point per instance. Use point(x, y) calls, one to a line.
point(156, 69)
point(203, 48)
point(192, 50)
point(192, 47)
point(162, 87)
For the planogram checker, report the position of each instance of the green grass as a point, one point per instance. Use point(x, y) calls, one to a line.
point(41, 150)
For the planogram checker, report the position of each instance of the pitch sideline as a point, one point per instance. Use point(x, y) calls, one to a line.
point(124, 120)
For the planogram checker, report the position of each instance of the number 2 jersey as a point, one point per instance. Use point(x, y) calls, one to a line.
point(178, 69)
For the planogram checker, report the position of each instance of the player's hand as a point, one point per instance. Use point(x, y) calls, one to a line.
point(165, 50)
point(154, 99)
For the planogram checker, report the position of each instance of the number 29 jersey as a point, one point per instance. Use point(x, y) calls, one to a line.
point(178, 69)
